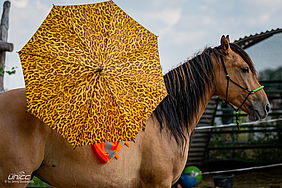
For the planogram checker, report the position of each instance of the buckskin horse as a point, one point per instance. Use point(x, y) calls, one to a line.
point(159, 154)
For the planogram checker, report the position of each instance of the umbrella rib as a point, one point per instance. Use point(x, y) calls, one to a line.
point(130, 81)
point(89, 112)
point(148, 32)
point(31, 54)
point(60, 93)
point(137, 50)
point(115, 100)
point(106, 44)
point(90, 106)
point(155, 90)
point(84, 45)
point(81, 129)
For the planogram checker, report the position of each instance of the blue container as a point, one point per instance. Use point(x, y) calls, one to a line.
point(188, 181)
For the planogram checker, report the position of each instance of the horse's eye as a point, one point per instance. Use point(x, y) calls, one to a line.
point(245, 69)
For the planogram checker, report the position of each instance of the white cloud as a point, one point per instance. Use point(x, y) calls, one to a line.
point(164, 20)
point(20, 3)
point(169, 17)
point(264, 3)
point(211, 1)
point(187, 37)
point(259, 19)
point(261, 13)
point(166, 3)
point(41, 6)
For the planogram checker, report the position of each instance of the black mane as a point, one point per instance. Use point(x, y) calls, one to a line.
point(186, 86)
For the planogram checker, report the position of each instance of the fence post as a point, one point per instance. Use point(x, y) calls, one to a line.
point(3, 40)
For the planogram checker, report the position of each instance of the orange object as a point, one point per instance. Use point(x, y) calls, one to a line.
point(109, 150)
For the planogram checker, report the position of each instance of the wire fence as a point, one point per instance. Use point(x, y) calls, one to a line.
point(242, 169)
point(241, 124)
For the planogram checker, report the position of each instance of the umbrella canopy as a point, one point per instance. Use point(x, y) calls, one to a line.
point(92, 73)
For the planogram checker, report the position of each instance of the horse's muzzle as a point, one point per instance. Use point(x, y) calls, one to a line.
point(259, 111)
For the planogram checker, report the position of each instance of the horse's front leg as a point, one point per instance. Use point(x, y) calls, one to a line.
point(16, 164)
point(22, 145)
point(11, 179)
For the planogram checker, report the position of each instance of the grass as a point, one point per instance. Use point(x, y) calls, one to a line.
point(36, 182)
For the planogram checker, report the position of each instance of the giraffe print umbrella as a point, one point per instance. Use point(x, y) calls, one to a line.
point(92, 73)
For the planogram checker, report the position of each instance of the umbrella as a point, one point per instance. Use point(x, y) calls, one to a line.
point(92, 73)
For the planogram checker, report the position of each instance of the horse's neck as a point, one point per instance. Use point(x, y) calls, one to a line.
point(164, 142)
point(201, 109)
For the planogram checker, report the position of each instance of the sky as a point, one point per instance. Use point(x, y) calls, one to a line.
point(268, 53)
point(184, 27)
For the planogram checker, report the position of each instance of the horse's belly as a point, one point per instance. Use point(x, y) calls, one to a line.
point(83, 168)
point(83, 177)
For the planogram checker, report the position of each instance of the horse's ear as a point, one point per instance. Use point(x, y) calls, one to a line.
point(225, 44)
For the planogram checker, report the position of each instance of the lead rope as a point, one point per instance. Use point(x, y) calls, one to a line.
point(226, 96)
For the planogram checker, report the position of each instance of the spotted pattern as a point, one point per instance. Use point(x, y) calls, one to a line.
point(92, 73)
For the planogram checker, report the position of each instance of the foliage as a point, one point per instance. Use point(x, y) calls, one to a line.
point(226, 140)
point(263, 155)
point(36, 182)
point(271, 138)
point(9, 72)
point(270, 74)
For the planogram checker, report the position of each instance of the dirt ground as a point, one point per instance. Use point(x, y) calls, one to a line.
point(267, 178)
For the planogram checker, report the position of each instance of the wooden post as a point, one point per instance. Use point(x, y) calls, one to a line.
point(5, 46)
point(3, 39)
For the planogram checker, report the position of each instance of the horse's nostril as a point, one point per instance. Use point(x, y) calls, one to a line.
point(267, 108)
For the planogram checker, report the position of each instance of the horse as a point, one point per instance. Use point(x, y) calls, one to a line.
point(159, 153)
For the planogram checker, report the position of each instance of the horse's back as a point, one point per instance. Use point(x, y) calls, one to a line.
point(22, 137)
point(12, 102)
point(14, 119)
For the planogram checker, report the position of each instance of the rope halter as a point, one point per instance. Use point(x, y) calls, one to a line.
point(243, 88)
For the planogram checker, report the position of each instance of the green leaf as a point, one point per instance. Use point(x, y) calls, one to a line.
point(1, 71)
point(9, 72)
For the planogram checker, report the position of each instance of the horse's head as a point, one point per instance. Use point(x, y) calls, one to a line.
point(236, 81)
